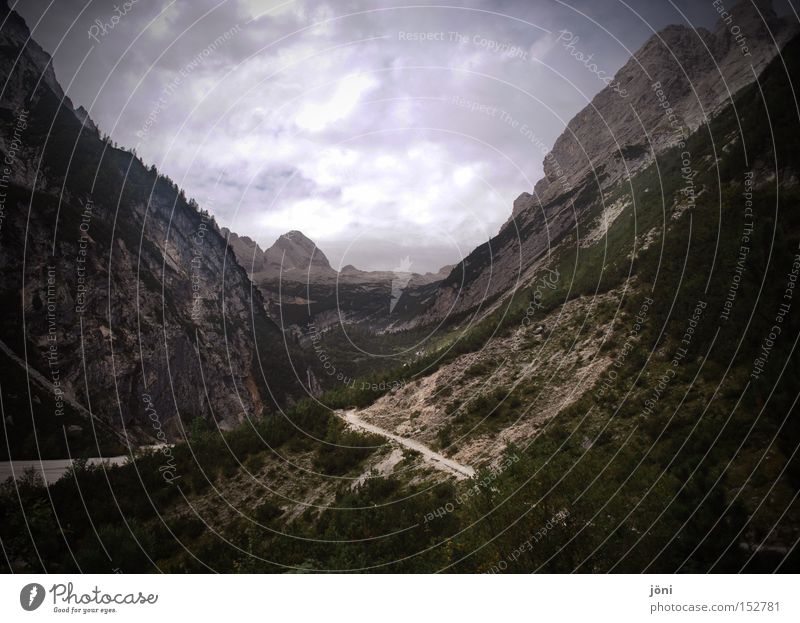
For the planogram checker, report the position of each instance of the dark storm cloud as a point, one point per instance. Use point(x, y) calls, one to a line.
point(379, 129)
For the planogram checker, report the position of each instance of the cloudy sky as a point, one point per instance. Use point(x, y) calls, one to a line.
point(379, 129)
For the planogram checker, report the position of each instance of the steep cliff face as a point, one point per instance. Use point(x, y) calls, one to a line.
point(677, 81)
point(296, 253)
point(118, 291)
point(247, 251)
point(699, 70)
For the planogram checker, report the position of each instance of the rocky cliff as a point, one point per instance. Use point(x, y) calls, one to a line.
point(677, 81)
point(118, 292)
point(700, 71)
point(302, 288)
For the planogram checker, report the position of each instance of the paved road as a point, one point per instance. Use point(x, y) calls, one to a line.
point(50, 469)
point(434, 458)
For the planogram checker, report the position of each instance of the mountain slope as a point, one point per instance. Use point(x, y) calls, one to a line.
point(116, 288)
point(619, 409)
point(303, 290)
point(674, 83)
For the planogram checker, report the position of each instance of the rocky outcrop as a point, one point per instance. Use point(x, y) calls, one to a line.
point(680, 78)
point(294, 252)
point(247, 251)
point(301, 288)
point(29, 64)
point(116, 289)
point(673, 84)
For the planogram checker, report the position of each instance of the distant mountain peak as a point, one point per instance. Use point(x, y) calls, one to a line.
point(295, 250)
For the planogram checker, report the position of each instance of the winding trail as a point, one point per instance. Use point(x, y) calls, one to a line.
point(435, 459)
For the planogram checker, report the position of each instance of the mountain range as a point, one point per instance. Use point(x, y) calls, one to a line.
point(604, 366)
point(301, 287)
point(115, 285)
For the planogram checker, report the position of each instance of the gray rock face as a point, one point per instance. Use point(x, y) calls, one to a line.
point(678, 80)
point(293, 255)
point(699, 72)
point(116, 288)
point(293, 251)
point(247, 251)
point(33, 63)
point(301, 287)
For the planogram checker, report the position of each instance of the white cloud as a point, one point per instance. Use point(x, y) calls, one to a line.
point(314, 217)
point(343, 130)
point(316, 116)
point(268, 8)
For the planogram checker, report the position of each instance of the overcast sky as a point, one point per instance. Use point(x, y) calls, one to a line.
point(353, 121)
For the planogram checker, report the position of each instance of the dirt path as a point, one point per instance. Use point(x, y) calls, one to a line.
point(433, 458)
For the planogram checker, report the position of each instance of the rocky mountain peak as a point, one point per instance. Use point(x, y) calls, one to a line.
point(296, 251)
point(297, 237)
point(31, 66)
point(83, 115)
point(525, 200)
point(247, 251)
point(699, 72)
point(157, 287)
point(678, 80)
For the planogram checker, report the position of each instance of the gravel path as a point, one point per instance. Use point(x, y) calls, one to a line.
point(433, 458)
